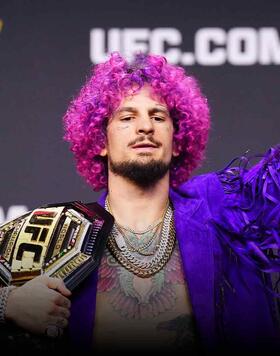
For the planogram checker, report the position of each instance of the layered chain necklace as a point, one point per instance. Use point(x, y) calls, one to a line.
point(139, 260)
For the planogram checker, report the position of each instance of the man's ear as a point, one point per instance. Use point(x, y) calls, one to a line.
point(175, 151)
point(103, 152)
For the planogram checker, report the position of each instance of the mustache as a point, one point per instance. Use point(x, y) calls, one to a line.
point(144, 138)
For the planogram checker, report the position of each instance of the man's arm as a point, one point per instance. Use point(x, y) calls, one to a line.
point(249, 219)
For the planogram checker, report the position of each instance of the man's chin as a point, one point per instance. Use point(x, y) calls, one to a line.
point(144, 172)
point(148, 155)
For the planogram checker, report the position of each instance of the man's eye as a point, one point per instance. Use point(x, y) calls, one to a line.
point(127, 118)
point(158, 118)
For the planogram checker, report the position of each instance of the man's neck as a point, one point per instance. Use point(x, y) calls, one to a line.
point(134, 206)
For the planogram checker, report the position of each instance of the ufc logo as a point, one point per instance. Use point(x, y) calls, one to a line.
point(34, 239)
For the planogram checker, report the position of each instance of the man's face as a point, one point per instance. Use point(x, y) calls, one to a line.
point(140, 132)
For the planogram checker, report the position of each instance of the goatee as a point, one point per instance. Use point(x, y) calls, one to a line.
point(144, 175)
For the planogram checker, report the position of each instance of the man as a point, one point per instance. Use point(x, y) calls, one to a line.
point(184, 268)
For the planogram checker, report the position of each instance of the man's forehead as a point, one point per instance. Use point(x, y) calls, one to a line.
point(153, 107)
point(144, 97)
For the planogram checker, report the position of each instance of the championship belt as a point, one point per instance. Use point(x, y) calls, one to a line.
point(64, 240)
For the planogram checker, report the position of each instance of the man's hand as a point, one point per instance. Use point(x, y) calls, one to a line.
point(39, 304)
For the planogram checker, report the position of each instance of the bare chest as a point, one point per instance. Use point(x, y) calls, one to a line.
point(143, 313)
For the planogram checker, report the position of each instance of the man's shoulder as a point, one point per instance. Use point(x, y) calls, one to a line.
point(203, 191)
point(199, 180)
point(200, 185)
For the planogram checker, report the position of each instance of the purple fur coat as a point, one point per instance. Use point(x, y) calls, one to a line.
point(228, 229)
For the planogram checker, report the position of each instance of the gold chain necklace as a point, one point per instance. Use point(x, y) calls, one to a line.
point(154, 226)
point(142, 249)
point(144, 268)
point(148, 229)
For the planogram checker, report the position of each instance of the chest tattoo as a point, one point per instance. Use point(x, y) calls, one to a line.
point(140, 298)
point(184, 328)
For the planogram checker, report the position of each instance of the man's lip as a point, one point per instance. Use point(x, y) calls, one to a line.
point(144, 145)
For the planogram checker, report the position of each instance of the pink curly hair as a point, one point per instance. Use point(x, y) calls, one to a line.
point(86, 118)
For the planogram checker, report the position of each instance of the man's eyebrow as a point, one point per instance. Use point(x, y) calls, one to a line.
point(126, 109)
point(158, 110)
point(151, 111)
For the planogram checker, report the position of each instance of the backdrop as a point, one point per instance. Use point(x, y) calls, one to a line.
point(48, 47)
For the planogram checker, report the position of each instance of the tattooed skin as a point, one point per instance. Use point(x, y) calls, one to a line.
point(143, 313)
point(184, 328)
point(138, 298)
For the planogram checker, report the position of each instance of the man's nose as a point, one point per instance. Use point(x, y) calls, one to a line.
point(145, 125)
